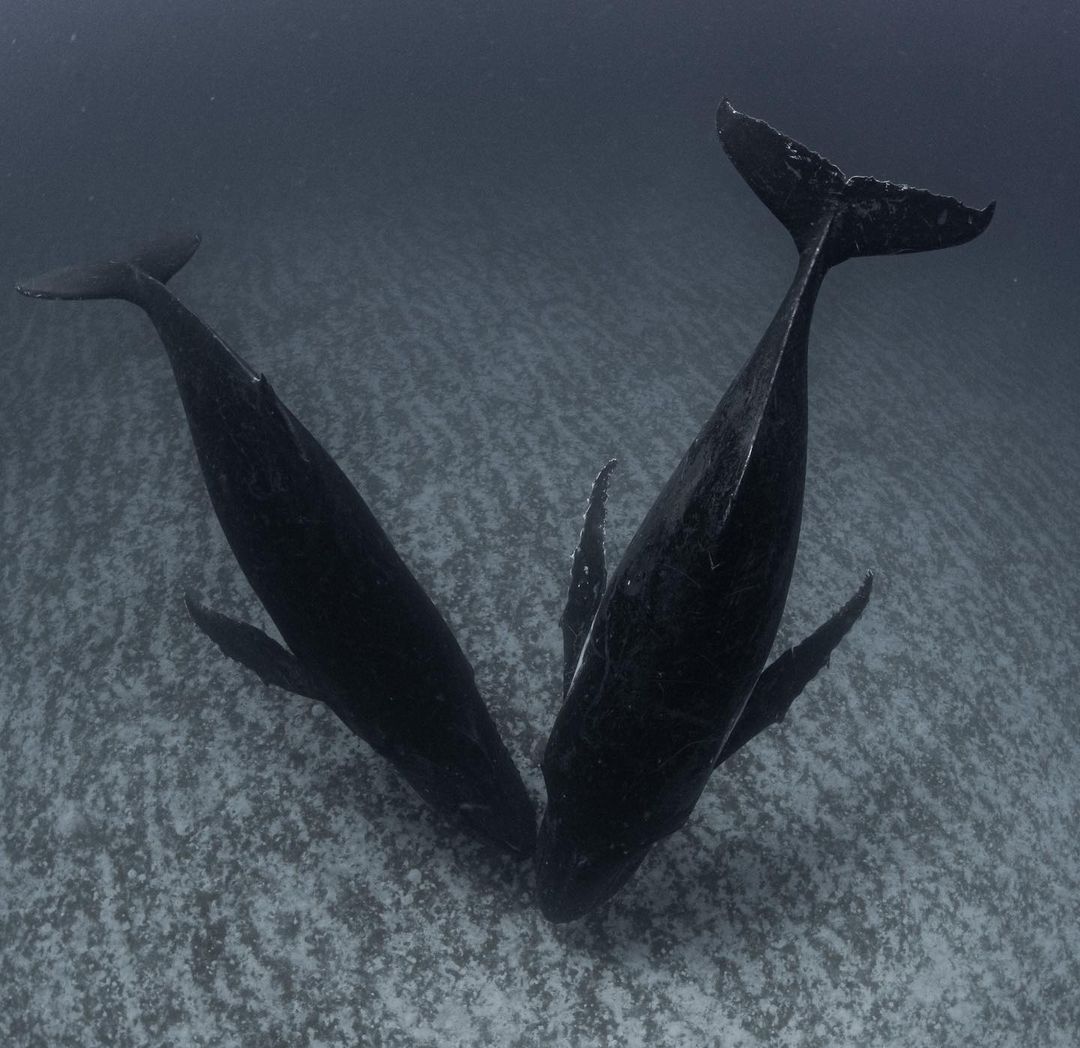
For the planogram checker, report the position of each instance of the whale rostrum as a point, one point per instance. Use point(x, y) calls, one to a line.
point(664, 661)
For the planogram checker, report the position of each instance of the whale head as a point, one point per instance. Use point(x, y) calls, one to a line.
point(573, 876)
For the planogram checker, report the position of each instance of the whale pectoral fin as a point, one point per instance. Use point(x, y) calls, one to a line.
point(254, 649)
point(785, 677)
point(588, 576)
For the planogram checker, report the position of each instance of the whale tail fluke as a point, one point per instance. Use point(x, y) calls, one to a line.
point(869, 217)
point(160, 259)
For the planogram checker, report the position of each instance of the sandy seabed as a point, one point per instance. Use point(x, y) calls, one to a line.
point(187, 858)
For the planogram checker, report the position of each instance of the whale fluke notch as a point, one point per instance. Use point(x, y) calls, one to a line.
point(588, 576)
point(785, 677)
point(161, 259)
point(870, 217)
point(255, 650)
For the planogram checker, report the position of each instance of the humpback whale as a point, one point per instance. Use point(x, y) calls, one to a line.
point(362, 635)
point(664, 662)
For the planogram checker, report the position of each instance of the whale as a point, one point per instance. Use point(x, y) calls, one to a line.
point(360, 633)
point(665, 672)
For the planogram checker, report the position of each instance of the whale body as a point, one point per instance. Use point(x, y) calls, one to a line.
point(664, 664)
point(362, 635)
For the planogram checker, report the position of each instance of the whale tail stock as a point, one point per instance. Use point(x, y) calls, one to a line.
point(160, 259)
point(869, 217)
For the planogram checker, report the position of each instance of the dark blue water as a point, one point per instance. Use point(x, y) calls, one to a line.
point(125, 112)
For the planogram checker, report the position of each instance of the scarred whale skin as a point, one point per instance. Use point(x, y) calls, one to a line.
point(362, 634)
point(664, 661)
